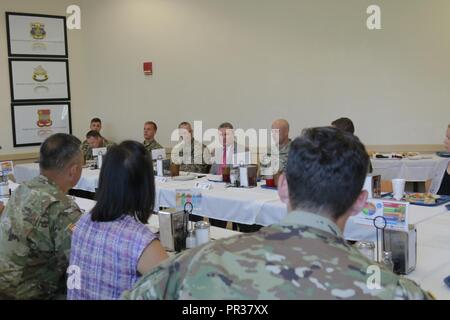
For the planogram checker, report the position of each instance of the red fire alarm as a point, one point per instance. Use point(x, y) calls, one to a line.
point(148, 68)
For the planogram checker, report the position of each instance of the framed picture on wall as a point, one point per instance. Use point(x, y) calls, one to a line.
point(39, 80)
point(36, 35)
point(32, 123)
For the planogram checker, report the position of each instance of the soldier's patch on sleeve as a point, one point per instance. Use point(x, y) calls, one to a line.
point(71, 228)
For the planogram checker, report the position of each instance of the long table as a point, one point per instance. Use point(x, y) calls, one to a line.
point(433, 245)
point(432, 223)
point(248, 206)
point(216, 233)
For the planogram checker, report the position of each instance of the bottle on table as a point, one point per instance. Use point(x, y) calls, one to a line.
point(202, 232)
point(367, 248)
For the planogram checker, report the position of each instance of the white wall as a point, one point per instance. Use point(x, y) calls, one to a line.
point(249, 61)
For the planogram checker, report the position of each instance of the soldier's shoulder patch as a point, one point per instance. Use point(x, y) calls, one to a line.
point(71, 227)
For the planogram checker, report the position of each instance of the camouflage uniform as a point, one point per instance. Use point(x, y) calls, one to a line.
point(279, 163)
point(152, 145)
point(87, 151)
point(35, 235)
point(304, 257)
point(192, 158)
point(283, 154)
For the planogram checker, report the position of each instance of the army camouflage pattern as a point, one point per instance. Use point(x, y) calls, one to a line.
point(305, 257)
point(152, 145)
point(35, 236)
point(87, 151)
point(283, 154)
point(192, 158)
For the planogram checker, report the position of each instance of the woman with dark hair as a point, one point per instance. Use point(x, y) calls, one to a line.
point(112, 246)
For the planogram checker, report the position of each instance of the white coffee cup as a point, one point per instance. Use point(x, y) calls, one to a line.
point(398, 186)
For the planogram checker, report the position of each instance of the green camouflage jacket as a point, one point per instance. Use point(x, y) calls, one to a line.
point(304, 257)
point(152, 145)
point(192, 158)
point(87, 151)
point(35, 235)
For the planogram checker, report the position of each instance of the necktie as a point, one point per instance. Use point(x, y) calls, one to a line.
point(224, 160)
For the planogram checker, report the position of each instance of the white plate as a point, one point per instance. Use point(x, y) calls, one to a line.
point(215, 178)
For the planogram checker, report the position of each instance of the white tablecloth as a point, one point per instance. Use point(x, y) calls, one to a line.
point(247, 206)
point(88, 180)
point(410, 170)
point(433, 255)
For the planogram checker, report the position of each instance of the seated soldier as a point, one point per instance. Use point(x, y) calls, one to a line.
point(37, 223)
point(95, 141)
point(345, 124)
point(150, 129)
point(96, 125)
point(305, 255)
point(281, 127)
point(191, 155)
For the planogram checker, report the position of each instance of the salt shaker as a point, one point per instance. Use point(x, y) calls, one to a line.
point(367, 248)
point(202, 229)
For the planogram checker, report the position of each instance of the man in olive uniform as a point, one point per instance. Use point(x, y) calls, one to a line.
point(96, 125)
point(191, 155)
point(281, 127)
point(150, 129)
point(2, 206)
point(95, 141)
point(37, 223)
point(304, 256)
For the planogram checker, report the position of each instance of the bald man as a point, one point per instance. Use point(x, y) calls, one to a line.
point(284, 143)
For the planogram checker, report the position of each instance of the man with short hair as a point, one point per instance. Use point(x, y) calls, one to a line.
point(96, 125)
point(191, 155)
point(37, 223)
point(150, 129)
point(305, 255)
point(226, 154)
point(345, 124)
point(281, 127)
point(95, 141)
